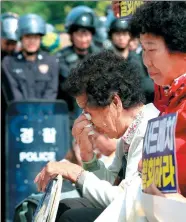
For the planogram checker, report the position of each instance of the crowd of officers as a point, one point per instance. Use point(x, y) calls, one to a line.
point(35, 62)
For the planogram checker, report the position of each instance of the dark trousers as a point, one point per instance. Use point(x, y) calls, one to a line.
point(77, 210)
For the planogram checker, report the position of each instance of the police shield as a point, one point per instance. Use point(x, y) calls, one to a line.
point(36, 132)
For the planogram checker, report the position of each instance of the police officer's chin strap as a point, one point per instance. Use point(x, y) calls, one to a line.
point(30, 53)
point(81, 51)
point(120, 49)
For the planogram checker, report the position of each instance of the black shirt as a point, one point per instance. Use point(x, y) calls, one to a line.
point(23, 80)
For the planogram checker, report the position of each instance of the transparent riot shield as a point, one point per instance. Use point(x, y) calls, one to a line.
point(36, 132)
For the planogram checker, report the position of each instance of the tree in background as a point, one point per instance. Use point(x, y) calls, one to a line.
point(53, 12)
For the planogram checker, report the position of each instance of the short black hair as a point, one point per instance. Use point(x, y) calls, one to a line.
point(164, 18)
point(102, 75)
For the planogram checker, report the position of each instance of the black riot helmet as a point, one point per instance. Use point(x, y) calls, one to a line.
point(31, 24)
point(101, 29)
point(118, 25)
point(80, 17)
point(50, 28)
point(9, 23)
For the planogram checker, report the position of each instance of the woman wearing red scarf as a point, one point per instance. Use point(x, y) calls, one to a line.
point(161, 27)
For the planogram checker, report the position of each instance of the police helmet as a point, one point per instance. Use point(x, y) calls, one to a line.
point(80, 17)
point(101, 33)
point(50, 28)
point(31, 24)
point(9, 23)
point(118, 25)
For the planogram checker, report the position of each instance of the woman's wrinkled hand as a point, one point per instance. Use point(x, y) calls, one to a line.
point(68, 170)
point(153, 190)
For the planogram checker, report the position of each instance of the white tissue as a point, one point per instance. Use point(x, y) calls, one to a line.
point(64, 160)
point(88, 116)
point(89, 125)
point(91, 133)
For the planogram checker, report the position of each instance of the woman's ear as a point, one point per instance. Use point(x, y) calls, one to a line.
point(117, 103)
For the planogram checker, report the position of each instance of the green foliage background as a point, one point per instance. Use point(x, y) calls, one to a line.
point(53, 12)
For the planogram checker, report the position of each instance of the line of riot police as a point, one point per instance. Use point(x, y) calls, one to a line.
point(37, 66)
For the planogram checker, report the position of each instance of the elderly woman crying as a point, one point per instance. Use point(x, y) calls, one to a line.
point(108, 89)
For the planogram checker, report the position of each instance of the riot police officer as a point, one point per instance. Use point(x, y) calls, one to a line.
point(8, 33)
point(101, 36)
point(80, 24)
point(119, 34)
point(8, 46)
point(30, 74)
point(8, 42)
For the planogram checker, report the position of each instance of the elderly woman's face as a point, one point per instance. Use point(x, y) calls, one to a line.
point(104, 119)
point(160, 62)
